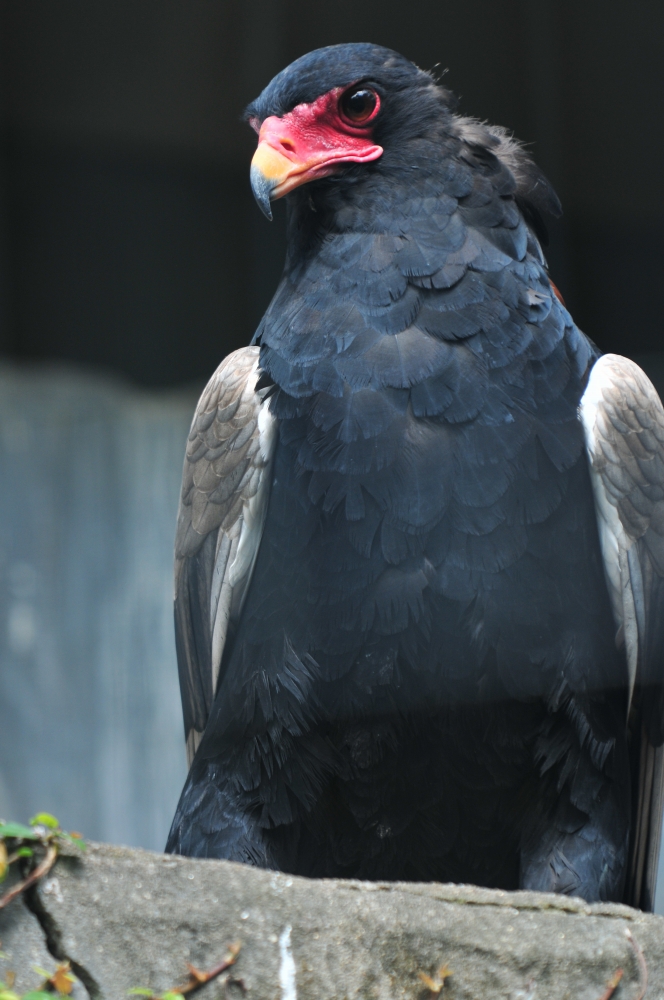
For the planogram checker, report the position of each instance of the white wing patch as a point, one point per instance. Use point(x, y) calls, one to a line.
point(225, 493)
point(615, 542)
point(237, 548)
point(623, 423)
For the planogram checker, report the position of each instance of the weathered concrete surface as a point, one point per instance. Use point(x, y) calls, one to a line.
point(131, 918)
point(22, 943)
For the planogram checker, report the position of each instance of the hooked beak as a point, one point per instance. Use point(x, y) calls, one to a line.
point(285, 159)
point(271, 169)
point(262, 185)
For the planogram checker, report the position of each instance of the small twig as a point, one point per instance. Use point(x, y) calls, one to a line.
point(42, 869)
point(198, 978)
point(641, 961)
point(612, 985)
point(437, 985)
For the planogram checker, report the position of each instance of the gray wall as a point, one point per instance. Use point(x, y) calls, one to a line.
point(90, 720)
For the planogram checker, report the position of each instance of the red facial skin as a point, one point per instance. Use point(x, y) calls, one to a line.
point(310, 142)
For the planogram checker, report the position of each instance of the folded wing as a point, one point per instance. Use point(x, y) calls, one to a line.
point(225, 490)
point(623, 422)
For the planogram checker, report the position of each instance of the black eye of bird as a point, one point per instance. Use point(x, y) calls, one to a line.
point(357, 106)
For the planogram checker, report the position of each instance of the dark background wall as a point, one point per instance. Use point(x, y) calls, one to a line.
point(128, 236)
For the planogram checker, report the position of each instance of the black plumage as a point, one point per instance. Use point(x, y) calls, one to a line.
point(422, 682)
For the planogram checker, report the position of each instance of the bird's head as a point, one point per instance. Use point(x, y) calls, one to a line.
point(334, 110)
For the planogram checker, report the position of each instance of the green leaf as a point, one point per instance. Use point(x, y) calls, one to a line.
point(25, 852)
point(18, 831)
point(6, 994)
point(171, 996)
point(45, 819)
point(141, 991)
point(36, 995)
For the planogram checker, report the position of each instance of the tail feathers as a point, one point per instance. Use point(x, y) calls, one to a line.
point(209, 822)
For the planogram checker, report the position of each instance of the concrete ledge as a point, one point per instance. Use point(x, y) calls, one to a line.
point(22, 942)
point(130, 918)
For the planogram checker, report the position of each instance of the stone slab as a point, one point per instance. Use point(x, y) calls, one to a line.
point(132, 918)
point(22, 944)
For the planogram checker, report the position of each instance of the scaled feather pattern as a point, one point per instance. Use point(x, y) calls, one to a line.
point(419, 676)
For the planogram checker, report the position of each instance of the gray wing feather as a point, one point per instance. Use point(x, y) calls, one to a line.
point(623, 423)
point(225, 490)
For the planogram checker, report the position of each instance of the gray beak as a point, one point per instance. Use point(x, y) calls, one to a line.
point(262, 188)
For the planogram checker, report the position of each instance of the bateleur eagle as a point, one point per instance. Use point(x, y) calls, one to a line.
point(420, 547)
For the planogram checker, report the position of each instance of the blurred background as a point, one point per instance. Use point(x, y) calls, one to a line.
point(133, 258)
